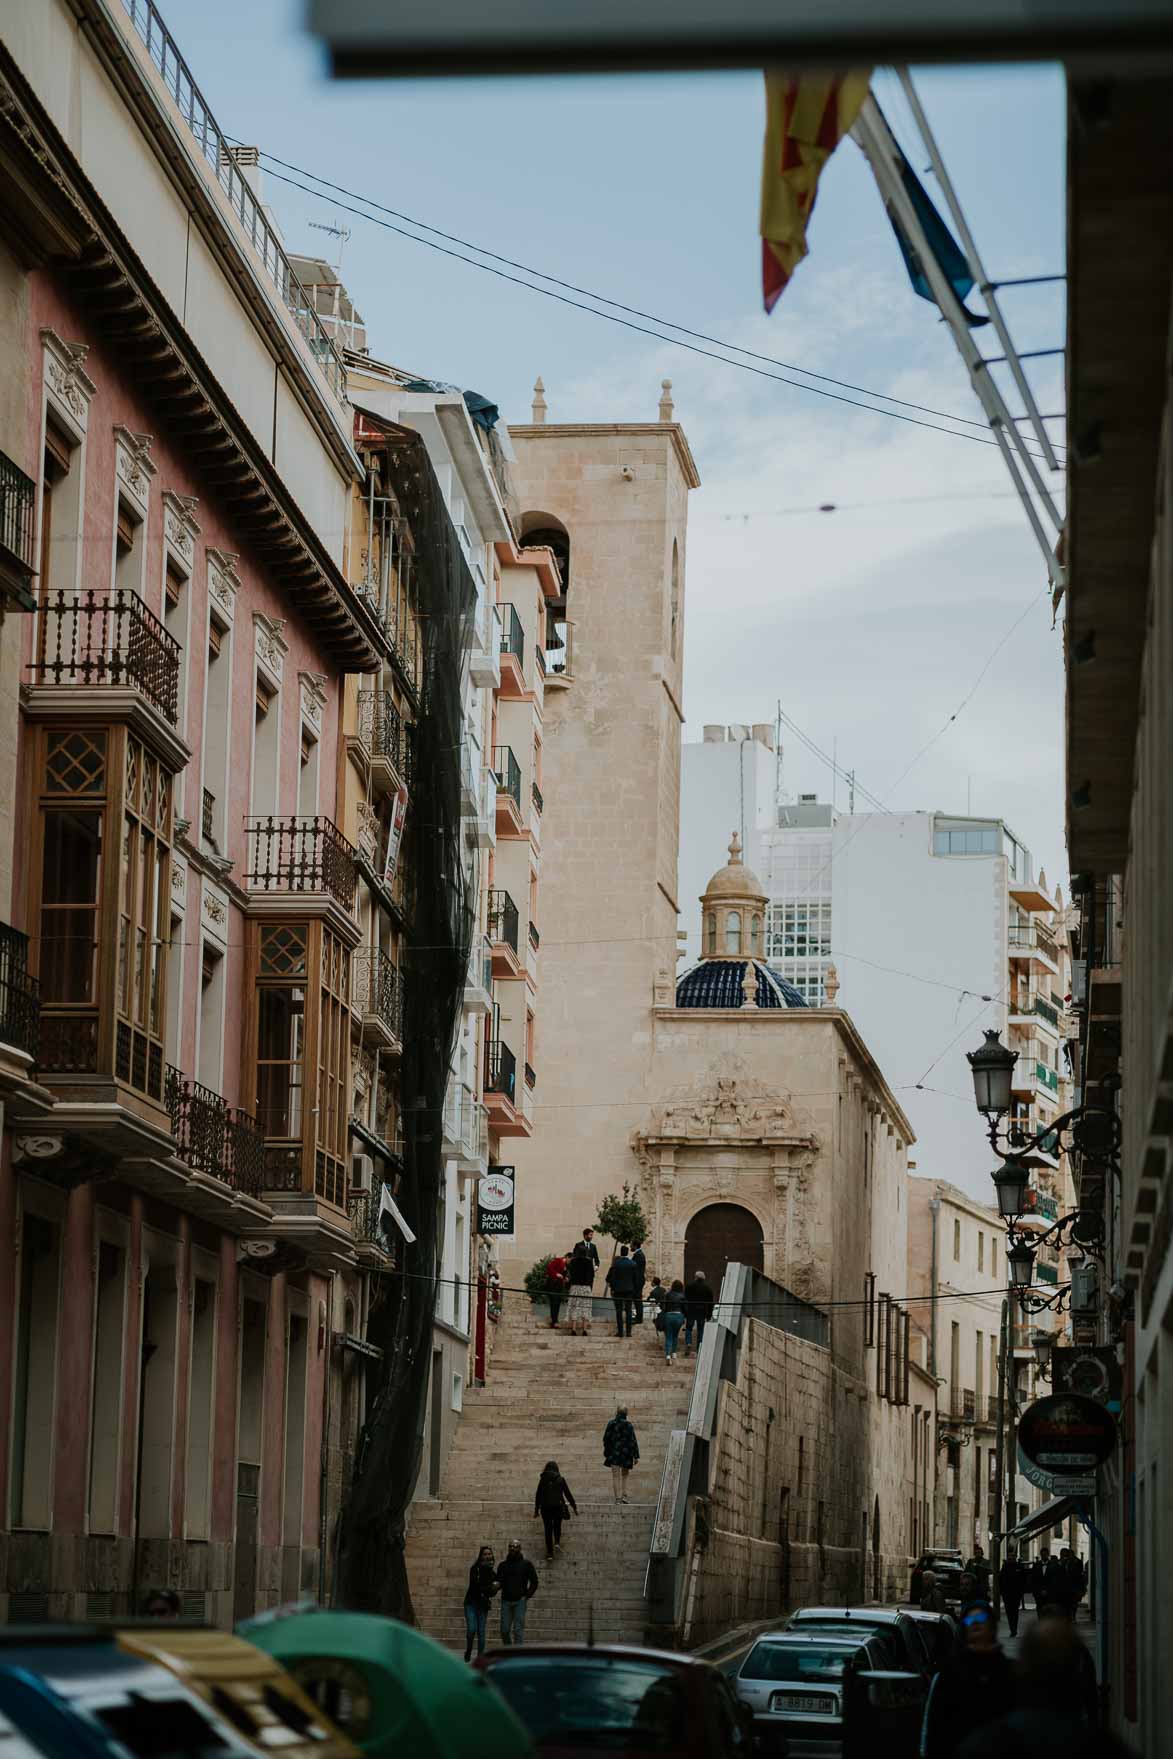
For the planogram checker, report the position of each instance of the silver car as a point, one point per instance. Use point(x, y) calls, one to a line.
point(801, 1690)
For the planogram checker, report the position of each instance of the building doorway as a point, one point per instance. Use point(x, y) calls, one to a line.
point(721, 1234)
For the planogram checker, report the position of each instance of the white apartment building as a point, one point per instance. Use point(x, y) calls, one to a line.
point(936, 925)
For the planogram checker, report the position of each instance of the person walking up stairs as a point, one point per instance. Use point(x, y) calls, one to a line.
point(548, 1398)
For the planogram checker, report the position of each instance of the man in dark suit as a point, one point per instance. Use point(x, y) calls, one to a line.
point(698, 1309)
point(588, 1235)
point(622, 1282)
point(641, 1268)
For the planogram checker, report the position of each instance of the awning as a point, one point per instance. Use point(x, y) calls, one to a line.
point(1052, 1514)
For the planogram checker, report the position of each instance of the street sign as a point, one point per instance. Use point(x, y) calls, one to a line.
point(1057, 1483)
point(1094, 1373)
point(1067, 1434)
point(496, 1194)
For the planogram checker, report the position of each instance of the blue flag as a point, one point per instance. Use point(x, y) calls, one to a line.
point(948, 253)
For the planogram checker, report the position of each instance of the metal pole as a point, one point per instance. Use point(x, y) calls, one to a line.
point(1000, 1459)
point(1010, 1445)
point(985, 285)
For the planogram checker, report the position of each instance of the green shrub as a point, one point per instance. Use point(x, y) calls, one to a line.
point(622, 1219)
point(536, 1278)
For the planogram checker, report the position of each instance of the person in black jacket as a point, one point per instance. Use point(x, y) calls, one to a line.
point(588, 1240)
point(1011, 1587)
point(623, 1281)
point(672, 1315)
point(641, 1270)
point(518, 1581)
point(580, 1273)
point(551, 1500)
point(974, 1688)
point(482, 1585)
point(698, 1309)
point(620, 1451)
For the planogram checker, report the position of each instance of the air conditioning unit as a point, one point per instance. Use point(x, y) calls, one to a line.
point(362, 1172)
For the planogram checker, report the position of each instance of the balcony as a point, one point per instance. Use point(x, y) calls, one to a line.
point(465, 1128)
point(1031, 943)
point(20, 1005)
point(962, 1403)
point(531, 1076)
point(106, 641)
point(508, 773)
point(535, 939)
point(1029, 1006)
point(400, 635)
point(213, 1138)
point(478, 986)
point(559, 653)
point(478, 788)
point(502, 926)
point(300, 857)
point(512, 652)
point(377, 998)
point(387, 738)
point(18, 519)
point(363, 1210)
point(536, 797)
point(485, 659)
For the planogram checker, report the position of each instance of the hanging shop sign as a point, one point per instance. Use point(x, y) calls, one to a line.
point(1094, 1373)
point(495, 1202)
point(1067, 1433)
point(1057, 1483)
point(395, 834)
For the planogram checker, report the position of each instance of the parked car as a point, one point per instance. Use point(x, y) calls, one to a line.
point(938, 1631)
point(944, 1561)
point(577, 1699)
point(913, 1653)
point(820, 1695)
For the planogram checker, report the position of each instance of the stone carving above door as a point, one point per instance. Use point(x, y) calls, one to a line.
point(725, 1107)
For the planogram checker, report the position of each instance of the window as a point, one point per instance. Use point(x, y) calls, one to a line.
point(106, 1399)
point(994, 1259)
point(211, 1071)
point(265, 748)
point(217, 718)
point(733, 932)
point(173, 586)
point(144, 922)
point(755, 936)
point(200, 1409)
point(307, 781)
point(160, 1331)
point(333, 1071)
point(981, 1250)
point(711, 933)
point(129, 550)
point(35, 1371)
point(295, 1411)
point(956, 1241)
point(281, 1031)
point(963, 837)
point(674, 607)
point(71, 877)
point(60, 513)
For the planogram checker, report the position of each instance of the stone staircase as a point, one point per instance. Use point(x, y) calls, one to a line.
point(548, 1397)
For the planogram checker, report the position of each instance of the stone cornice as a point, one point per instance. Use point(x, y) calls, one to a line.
point(623, 430)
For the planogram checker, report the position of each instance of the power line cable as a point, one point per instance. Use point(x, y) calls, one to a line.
point(657, 335)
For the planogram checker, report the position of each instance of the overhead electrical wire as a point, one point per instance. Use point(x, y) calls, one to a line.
point(725, 359)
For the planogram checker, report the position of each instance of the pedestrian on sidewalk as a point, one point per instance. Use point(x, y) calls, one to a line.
point(1038, 1571)
point(519, 1583)
point(671, 1318)
point(580, 1274)
point(555, 1287)
point(1057, 1715)
point(972, 1689)
point(588, 1240)
point(656, 1298)
point(553, 1501)
point(1075, 1580)
point(1012, 1586)
point(620, 1451)
point(979, 1566)
point(641, 1270)
point(623, 1281)
point(932, 1598)
point(698, 1309)
point(1056, 1586)
point(482, 1585)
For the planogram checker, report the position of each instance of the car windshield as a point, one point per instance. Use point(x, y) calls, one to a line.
point(593, 1703)
point(795, 1661)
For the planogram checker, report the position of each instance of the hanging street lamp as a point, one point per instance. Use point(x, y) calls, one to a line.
point(1011, 1182)
point(992, 1065)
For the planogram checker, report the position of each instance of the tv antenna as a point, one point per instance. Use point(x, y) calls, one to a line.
point(342, 233)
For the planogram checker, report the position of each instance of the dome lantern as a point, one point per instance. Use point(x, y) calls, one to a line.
point(733, 911)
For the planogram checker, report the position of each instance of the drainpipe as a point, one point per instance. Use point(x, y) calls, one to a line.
point(934, 1211)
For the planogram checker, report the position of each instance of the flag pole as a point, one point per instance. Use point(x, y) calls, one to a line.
point(977, 267)
point(875, 141)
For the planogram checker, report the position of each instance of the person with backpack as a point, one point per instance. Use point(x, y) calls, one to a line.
point(518, 1582)
point(553, 1501)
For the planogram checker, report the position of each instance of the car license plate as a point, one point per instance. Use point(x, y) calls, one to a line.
point(804, 1703)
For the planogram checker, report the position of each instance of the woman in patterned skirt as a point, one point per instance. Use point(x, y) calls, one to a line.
point(581, 1272)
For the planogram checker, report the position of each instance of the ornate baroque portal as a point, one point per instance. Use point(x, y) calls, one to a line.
point(730, 1139)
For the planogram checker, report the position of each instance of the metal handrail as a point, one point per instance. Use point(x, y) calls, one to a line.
point(502, 917)
point(376, 987)
point(536, 794)
point(508, 773)
point(214, 1137)
point(108, 638)
point(384, 731)
point(512, 633)
point(219, 153)
point(20, 999)
point(300, 854)
point(500, 1069)
point(18, 502)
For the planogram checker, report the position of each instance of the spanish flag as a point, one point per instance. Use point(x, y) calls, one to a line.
point(806, 118)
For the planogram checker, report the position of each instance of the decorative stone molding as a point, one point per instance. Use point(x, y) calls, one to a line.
point(313, 697)
point(66, 380)
point(223, 582)
point(214, 913)
point(133, 464)
point(179, 523)
point(731, 1107)
point(178, 884)
point(271, 647)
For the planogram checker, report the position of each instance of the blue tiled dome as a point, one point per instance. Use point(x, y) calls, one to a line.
point(717, 983)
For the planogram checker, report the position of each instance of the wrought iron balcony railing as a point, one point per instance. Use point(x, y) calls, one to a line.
point(535, 939)
point(512, 634)
point(246, 204)
point(363, 1210)
point(17, 527)
point(531, 1076)
point(536, 795)
point(304, 854)
point(109, 639)
point(502, 918)
point(399, 634)
point(508, 773)
point(500, 1069)
point(20, 1005)
point(384, 732)
point(215, 1138)
point(376, 987)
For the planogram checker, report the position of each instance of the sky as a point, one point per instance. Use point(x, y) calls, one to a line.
point(872, 625)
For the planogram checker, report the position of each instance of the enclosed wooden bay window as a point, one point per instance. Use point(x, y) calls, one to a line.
point(101, 910)
point(299, 1042)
